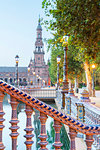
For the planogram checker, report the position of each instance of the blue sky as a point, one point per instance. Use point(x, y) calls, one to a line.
point(18, 22)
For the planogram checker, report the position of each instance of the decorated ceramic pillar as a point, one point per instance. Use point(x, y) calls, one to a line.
point(2, 147)
point(68, 105)
point(28, 129)
point(80, 112)
point(43, 135)
point(89, 141)
point(57, 126)
point(85, 96)
point(72, 134)
point(14, 121)
point(71, 91)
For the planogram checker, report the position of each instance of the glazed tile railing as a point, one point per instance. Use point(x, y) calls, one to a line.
point(74, 125)
point(91, 114)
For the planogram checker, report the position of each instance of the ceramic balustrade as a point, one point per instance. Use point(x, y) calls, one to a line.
point(92, 116)
point(45, 110)
point(2, 147)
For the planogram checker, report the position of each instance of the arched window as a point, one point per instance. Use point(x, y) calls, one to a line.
point(20, 81)
point(38, 35)
point(11, 80)
point(6, 80)
point(39, 49)
point(24, 81)
point(38, 81)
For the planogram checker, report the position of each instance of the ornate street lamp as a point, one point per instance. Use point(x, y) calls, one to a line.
point(58, 62)
point(37, 76)
point(93, 86)
point(28, 74)
point(34, 73)
point(16, 72)
point(28, 68)
point(34, 78)
point(65, 71)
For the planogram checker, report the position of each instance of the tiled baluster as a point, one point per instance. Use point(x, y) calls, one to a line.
point(72, 134)
point(57, 126)
point(89, 140)
point(14, 121)
point(68, 105)
point(1, 120)
point(28, 129)
point(98, 142)
point(43, 135)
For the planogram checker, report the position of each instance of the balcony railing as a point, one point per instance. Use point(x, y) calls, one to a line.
point(45, 111)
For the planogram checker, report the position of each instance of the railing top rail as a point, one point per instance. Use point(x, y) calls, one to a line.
point(93, 108)
point(37, 89)
point(43, 107)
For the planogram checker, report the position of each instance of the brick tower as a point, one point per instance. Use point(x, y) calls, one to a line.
point(39, 74)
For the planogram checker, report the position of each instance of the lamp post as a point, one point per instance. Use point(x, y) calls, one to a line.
point(58, 62)
point(34, 78)
point(28, 74)
point(16, 72)
point(93, 86)
point(65, 71)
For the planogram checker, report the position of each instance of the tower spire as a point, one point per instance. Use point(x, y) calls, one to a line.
point(39, 24)
point(39, 46)
point(39, 20)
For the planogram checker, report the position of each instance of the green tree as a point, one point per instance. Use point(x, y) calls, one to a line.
point(74, 66)
point(80, 20)
point(55, 51)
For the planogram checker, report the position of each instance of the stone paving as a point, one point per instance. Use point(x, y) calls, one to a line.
point(95, 99)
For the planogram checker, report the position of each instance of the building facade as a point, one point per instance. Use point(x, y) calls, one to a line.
point(7, 74)
point(38, 67)
point(36, 73)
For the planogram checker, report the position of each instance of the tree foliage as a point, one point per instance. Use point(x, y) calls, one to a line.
point(55, 51)
point(80, 20)
point(74, 66)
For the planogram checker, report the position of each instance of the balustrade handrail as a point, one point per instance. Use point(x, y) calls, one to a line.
point(48, 110)
point(37, 89)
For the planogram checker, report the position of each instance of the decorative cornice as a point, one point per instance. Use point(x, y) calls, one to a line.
point(35, 52)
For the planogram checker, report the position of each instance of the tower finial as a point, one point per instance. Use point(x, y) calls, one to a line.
point(39, 19)
point(39, 24)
